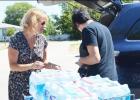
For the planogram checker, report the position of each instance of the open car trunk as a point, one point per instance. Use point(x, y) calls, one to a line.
point(94, 4)
point(107, 8)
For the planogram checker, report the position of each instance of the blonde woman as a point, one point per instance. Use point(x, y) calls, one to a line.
point(27, 52)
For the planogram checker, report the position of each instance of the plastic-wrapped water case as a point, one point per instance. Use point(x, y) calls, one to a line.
point(63, 85)
point(29, 97)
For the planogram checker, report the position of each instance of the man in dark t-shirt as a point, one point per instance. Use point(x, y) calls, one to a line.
point(96, 49)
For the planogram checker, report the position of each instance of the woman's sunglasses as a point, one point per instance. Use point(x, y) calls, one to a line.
point(43, 23)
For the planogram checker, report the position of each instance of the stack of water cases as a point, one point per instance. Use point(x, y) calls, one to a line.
point(64, 85)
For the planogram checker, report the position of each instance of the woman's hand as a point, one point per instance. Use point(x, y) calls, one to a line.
point(37, 65)
point(52, 66)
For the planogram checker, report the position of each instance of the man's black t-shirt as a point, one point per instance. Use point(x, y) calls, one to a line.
point(98, 35)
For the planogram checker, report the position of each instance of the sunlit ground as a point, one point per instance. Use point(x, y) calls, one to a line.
point(3, 45)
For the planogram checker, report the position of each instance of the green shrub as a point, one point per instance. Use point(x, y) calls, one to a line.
point(10, 31)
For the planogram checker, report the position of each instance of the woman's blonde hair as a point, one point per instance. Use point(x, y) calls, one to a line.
point(31, 18)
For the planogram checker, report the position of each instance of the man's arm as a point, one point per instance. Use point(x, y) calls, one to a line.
point(93, 57)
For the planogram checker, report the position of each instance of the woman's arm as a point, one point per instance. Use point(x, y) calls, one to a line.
point(13, 57)
point(45, 60)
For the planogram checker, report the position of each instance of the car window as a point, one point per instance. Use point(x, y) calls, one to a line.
point(134, 33)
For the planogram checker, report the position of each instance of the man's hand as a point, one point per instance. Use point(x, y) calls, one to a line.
point(78, 63)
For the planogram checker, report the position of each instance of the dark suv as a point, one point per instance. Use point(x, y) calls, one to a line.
point(123, 20)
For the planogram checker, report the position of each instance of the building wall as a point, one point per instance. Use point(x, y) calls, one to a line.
point(1, 34)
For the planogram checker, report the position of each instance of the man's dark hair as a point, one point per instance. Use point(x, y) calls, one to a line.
point(80, 16)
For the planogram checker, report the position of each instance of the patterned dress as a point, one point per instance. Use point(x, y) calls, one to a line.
point(19, 81)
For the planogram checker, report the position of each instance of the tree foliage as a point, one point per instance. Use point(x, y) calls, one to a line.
point(127, 1)
point(15, 13)
point(10, 31)
point(65, 23)
point(50, 28)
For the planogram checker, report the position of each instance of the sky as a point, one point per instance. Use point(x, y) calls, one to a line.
point(50, 10)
